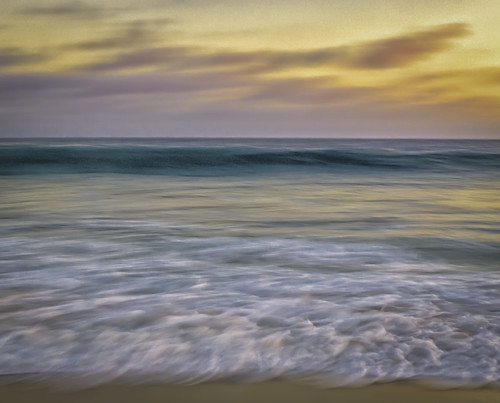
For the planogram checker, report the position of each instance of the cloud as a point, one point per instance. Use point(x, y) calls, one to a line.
point(144, 84)
point(14, 56)
point(72, 9)
point(32, 87)
point(135, 34)
point(186, 89)
point(484, 106)
point(487, 76)
point(148, 57)
point(132, 34)
point(407, 49)
point(317, 91)
point(218, 103)
point(187, 58)
point(396, 52)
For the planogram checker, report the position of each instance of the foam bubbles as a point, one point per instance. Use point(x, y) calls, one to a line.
point(242, 308)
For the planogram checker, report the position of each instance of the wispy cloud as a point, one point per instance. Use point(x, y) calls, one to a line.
point(14, 57)
point(27, 86)
point(148, 57)
point(70, 9)
point(221, 102)
point(80, 86)
point(478, 76)
point(396, 52)
point(315, 91)
point(407, 49)
point(133, 34)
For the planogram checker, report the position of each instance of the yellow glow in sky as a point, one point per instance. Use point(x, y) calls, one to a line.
point(395, 55)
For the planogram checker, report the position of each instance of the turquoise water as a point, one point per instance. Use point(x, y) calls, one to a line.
point(340, 262)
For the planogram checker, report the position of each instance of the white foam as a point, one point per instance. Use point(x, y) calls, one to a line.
point(208, 308)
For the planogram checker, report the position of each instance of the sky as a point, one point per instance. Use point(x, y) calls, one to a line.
point(261, 68)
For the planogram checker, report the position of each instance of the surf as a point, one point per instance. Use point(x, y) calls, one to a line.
point(228, 160)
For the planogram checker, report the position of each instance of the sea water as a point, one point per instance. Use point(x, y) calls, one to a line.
point(333, 261)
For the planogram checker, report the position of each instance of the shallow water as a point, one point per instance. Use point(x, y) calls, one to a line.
point(344, 262)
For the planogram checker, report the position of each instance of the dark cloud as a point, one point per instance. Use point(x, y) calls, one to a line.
point(405, 50)
point(30, 85)
point(156, 22)
point(249, 91)
point(143, 84)
point(149, 57)
point(13, 56)
point(180, 58)
point(81, 86)
point(217, 103)
point(311, 91)
point(71, 9)
point(478, 76)
point(493, 77)
point(394, 52)
point(132, 34)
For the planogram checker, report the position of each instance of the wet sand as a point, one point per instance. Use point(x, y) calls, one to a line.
point(274, 391)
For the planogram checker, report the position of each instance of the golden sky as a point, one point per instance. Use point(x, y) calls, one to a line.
point(317, 68)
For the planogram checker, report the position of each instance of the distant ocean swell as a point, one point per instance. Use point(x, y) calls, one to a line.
point(134, 159)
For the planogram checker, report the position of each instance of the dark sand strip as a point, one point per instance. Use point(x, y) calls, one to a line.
point(275, 392)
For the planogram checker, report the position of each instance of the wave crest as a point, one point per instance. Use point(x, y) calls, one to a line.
point(134, 159)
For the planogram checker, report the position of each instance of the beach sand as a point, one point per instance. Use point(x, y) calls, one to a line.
point(274, 391)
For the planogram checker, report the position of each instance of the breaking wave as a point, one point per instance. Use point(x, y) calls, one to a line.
point(166, 160)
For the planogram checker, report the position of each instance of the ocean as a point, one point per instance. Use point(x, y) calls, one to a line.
point(327, 262)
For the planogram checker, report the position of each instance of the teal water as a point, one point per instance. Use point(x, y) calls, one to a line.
point(340, 261)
